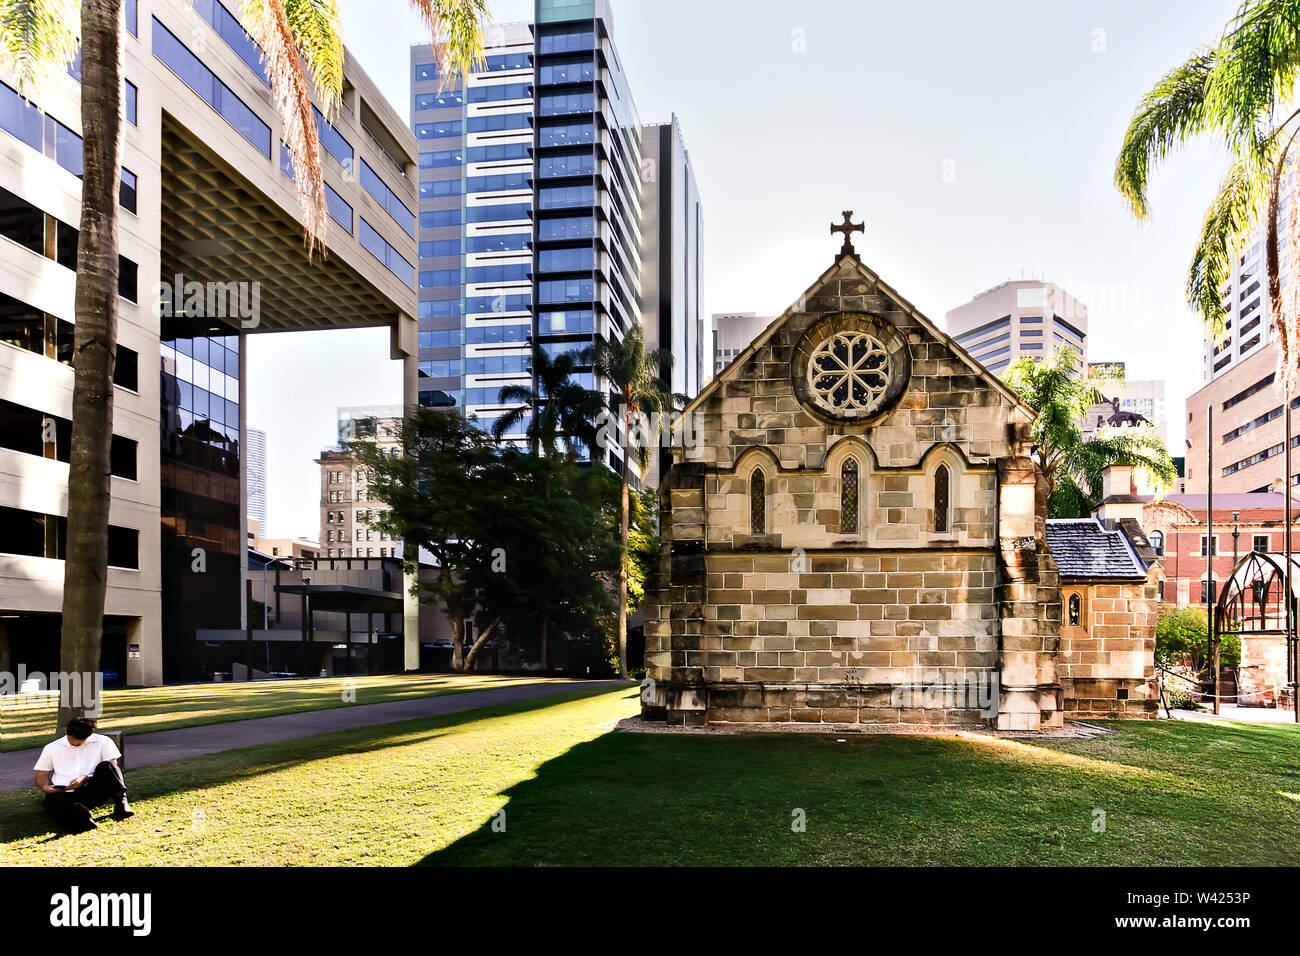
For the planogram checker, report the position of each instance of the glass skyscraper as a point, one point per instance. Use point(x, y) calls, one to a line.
point(531, 173)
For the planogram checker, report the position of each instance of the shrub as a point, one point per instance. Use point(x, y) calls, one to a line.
point(1182, 638)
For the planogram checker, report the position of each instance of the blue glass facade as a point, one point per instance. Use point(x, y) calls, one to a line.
point(530, 196)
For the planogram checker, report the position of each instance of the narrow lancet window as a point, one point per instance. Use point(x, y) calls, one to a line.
point(757, 503)
point(942, 480)
point(849, 496)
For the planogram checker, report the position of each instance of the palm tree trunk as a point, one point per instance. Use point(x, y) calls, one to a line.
point(622, 559)
point(85, 577)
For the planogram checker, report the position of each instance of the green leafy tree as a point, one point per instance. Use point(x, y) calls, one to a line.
point(566, 580)
point(1060, 395)
point(643, 545)
point(301, 49)
point(1183, 639)
point(1240, 92)
point(559, 411)
point(451, 493)
point(634, 376)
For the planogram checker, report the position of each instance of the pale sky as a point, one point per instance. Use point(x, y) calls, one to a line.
point(976, 140)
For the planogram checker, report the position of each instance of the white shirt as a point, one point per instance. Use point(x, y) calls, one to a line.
point(68, 762)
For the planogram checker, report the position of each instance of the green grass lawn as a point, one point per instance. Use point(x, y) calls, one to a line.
point(141, 710)
point(575, 792)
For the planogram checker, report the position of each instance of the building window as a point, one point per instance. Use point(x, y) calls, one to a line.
point(757, 503)
point(1207, 546)
point(849, 496)
point(1076, 611)
point(1207, 592)
point(942, 481)
point(1260, 542)
point(1158, 542)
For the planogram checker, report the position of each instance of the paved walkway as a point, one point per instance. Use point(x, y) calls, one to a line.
point(162, 746)
point(1242, 715)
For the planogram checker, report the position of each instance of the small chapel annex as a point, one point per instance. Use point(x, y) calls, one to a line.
point(858, 534)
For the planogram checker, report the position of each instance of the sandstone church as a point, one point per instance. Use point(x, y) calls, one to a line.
point(859, 534)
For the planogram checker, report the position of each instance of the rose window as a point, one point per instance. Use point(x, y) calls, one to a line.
point(850, 371)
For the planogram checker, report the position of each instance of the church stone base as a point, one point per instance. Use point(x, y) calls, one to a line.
point(1114, 698)
point(753, 702)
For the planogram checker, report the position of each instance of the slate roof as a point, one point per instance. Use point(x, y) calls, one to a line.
point(1083, 548)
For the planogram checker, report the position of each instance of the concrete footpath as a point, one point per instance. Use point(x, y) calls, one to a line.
point(142, 750)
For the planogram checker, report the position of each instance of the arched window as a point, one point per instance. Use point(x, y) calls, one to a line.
point(942, 482)
point(1158, 542)
point(849, 496)
point(757, 503)
point(1076, 610)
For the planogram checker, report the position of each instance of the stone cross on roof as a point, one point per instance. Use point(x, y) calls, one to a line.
point(848, 227)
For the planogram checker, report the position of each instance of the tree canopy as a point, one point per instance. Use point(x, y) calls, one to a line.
point(1060, 393)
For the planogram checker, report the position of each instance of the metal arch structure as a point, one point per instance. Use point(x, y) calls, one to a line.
point(1254, 600)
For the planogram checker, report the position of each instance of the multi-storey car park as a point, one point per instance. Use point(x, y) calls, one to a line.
point(205, 196)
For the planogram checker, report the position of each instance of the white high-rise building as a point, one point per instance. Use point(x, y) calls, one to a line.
point(1025, 318)
point(732, 333)
point(255, 474)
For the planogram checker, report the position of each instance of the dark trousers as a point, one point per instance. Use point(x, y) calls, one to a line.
point(104, 785)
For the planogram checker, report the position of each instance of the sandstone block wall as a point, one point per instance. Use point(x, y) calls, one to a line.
point(1107, 664)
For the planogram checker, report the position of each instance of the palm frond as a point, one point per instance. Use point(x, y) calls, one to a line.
point(38, 38)
point(1172, 113)
point(268, 24)
point(509, 420)
point(315, 26)
point(457, 28)
point(1256, 65)
point(1228, 224)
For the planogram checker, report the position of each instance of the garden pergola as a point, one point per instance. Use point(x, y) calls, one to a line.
point(1254, 601)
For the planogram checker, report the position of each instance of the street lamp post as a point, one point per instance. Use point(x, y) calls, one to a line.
point(1236, 533)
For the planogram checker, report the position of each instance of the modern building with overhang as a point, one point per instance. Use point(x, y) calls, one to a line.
point(206, 198)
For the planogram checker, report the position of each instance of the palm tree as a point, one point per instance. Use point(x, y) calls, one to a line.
point(38, 39)
point(1072, 464)
point(562, 411)
point(1235, 91)
point(633, 373)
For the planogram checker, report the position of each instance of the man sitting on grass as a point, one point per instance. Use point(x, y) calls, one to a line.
point(78, 773)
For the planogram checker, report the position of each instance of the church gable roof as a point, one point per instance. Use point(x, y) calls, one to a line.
point(848, 266)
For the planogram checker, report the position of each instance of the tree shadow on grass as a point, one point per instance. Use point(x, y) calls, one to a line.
point(627, 799)
point(22, 818)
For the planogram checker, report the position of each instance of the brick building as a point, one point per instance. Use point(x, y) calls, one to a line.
point(1176, 527)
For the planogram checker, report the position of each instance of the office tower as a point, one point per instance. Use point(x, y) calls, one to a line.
point(1018, 319)
point(532, 216)
point(208, 207)
point(347, 509)
point(672, 220)
point(255, 475)
point(732, 333)
point(1249, 433)
point(1248, 323)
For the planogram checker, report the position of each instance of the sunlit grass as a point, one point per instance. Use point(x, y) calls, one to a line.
point(574, 791)
point(142, 710)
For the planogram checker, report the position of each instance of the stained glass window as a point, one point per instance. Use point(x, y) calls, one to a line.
point(849, 496)
point(1075, 610)
point(757, 503)
point(941, 482)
